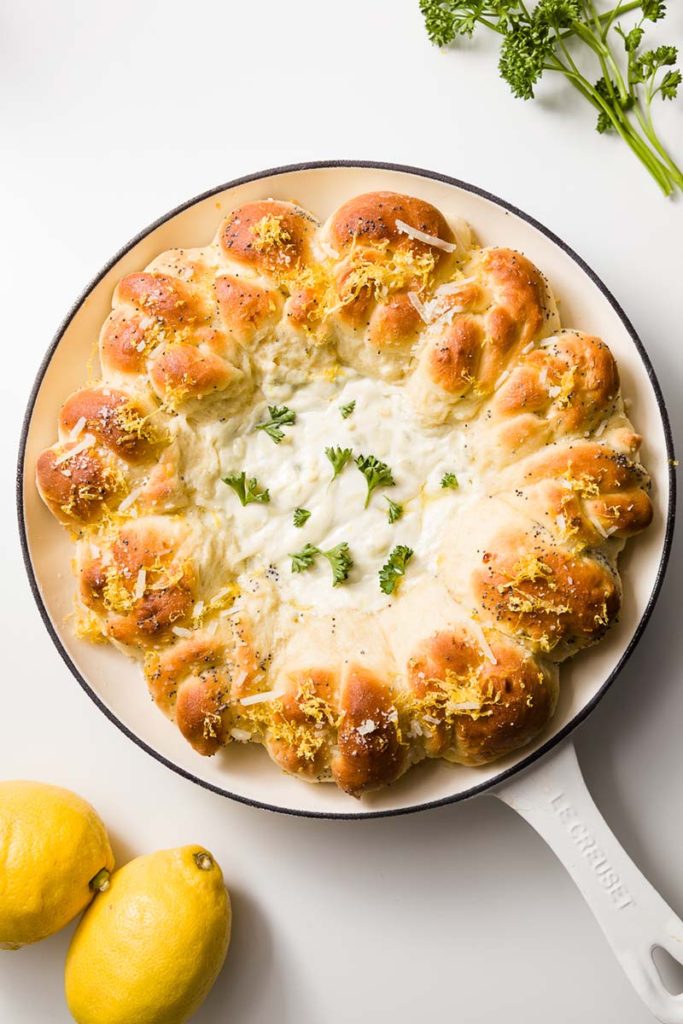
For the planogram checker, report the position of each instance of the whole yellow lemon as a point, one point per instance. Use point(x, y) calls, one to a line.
point(149, 949)
point(54, 850)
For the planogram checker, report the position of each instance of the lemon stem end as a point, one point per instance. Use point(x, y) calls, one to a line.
point(101, 881)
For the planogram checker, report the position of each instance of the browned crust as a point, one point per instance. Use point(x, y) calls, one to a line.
point(180, 372)
point(517, 693)
point(318, 717)
point(371, 218)
point(454, 357)
point(495, 316)
point(520, 288)
point(585, 492)
point(365, 229)
point(533, 589)
point(114, 418)
point(567, 387)
point(365, 761)
point(394, 323)
point(161, 296)
point(76, 490)
point(108, 586)
point(240, 241)
point(247, 309)
point(191, 682)
point(123, 343)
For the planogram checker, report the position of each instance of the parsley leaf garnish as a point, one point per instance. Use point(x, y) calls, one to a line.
point(394, 568)
point(347, 410)
point(376, 473)
point(339, 558)
point(338, 457)
point(450, 480)
point(341, 562)
point(304, 559)
point(280, 416)
point(247, 491)
point(394, 512)
point(300, 516)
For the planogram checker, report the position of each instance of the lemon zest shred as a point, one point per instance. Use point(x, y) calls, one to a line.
point(531, 569)
point(87, 626)
point(398, 270)
point(451, 697)
point(269, 720)
point(268, 233)
point(211, 720)
point(135, 426)
point(117, 597)
point(314, 706)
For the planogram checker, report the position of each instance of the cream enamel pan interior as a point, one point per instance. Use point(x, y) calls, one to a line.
point(244, 772)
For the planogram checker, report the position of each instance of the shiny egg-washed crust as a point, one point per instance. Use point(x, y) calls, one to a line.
point(464, 665)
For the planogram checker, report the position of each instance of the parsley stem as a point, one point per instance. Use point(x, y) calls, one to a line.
point(609, 17)
point(644, 118)
point(489, 24)
point(617, 118)
point(668, 176)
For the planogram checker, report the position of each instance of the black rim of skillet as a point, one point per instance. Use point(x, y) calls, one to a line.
point(581, 715)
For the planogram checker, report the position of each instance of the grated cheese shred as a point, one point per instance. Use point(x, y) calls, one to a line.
point(483, 642)
point(140, 583)
point(418, 306)
point(181, 631)
point(77, 428)
point(87, 442)
point(422, 236)
point(260, 698)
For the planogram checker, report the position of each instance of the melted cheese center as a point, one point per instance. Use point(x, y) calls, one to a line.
point(260, 538)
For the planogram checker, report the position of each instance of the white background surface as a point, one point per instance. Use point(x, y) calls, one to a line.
point(111, 116)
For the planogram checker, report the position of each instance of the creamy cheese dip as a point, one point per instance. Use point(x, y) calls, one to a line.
point(297, 473)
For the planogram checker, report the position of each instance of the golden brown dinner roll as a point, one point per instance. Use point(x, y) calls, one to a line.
point(520, 579)
point(268, 236)
point(473, 706)
point(197, 680)
point(140, 580)
point(569, 386)
point(75, 481)
point(168, 330)
point(500, 307)
point(107, 438)
point(582, 491)
point(389, 251)
point(120, 421)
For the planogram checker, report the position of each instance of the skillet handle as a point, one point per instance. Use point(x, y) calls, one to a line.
point(554, 800)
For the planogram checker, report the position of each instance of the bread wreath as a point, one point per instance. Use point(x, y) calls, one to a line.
point(462, 666)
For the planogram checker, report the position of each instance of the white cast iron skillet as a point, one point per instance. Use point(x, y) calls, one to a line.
point(552, 797)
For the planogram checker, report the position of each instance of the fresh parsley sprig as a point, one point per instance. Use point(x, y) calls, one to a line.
point(550, 37)
point(394, 568)
point(341, 562)
point(247, 491)
point(339, 558)
point(338, 458)
point(347, 410)
point(300, 516)
point(376, 473)
point(304, 559)
point(450, 480)
point(394, 512)
point(280, 416)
